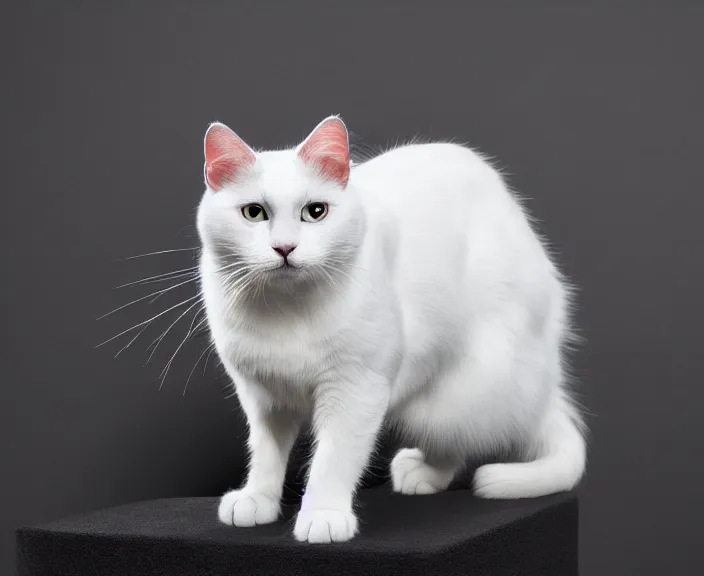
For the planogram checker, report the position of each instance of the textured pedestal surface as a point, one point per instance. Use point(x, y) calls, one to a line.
point(449, 534)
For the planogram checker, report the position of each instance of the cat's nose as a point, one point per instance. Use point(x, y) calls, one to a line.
point(284, 249)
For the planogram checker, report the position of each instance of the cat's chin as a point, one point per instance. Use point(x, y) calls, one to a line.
point(302, 277)
point(286, 273)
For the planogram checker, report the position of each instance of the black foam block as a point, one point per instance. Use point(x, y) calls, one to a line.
point(448, 534)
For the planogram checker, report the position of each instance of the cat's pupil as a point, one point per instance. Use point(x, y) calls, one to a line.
point(316, 210)
point(254, 211)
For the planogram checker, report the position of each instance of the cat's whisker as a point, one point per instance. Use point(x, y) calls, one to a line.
point(241, 265)
point(230, 285)
point(315, 281)
point(161, 252)
point(234, 295)
point(347, 275)
point(237, 294)
point(232, 279)
point(168, 278)
point(150, 320)
point(202, 321)
point(331, 280)
point(262, 287)
point(236, 276)
point(158, 340)
point(342, 262)
point(209, 347)
point(158, 293)
point(204, 327)
point(165, 372)
point(126, 346)
point(212, 349)
point(238, 286)
point(150, 278)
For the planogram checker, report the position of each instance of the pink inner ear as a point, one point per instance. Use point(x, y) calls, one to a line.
point(327, 149)
point(226, 156)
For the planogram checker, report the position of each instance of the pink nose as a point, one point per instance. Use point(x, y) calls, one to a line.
point(284, 249)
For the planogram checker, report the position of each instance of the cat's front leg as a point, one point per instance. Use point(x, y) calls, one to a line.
point(272, 433)
point(346, 422)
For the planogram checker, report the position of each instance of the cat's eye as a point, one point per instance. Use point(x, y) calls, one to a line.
point(254, 213)
point(314, 212)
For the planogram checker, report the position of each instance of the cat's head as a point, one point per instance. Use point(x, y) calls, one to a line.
point(283, 217)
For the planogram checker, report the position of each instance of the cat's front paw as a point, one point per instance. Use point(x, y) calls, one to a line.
point(245, 508)
point(325, 526)
point(411, 474)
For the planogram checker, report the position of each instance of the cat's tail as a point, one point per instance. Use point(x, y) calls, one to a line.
point(560, 454)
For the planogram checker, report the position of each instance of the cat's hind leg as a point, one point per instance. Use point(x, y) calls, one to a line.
point(412, 473)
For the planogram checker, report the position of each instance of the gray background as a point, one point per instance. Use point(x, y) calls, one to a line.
point(595, 110)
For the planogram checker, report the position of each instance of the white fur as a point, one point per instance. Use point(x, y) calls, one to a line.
point(423, 298)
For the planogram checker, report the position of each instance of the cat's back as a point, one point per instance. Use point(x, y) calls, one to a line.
point(419, 163)
point(434, 190)
point(452, 219)
point(427, 181)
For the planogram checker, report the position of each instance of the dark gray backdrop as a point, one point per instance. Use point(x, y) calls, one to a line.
point(596, 112)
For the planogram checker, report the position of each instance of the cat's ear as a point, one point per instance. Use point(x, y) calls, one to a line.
point(327, 150)
point(227, 156)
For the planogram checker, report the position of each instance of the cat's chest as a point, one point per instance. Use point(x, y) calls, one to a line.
point(295, 353)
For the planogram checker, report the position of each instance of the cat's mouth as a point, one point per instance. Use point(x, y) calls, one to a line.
point(285, 271)
point(286, 266)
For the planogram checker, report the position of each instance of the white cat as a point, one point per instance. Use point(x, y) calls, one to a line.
point(410, 288)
